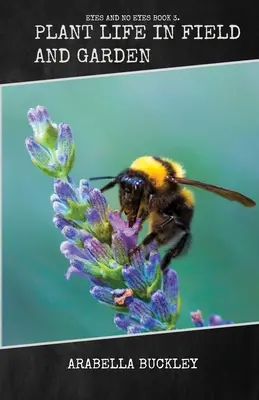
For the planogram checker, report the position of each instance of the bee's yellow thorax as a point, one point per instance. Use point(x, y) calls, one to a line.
point(155, 171)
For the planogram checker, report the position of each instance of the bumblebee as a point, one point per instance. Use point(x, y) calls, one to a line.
point(153, 188)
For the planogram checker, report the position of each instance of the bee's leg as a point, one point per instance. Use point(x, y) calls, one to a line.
point(180, 248)
point(143, 216)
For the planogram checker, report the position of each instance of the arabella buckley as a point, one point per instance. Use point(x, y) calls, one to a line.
point(129, 363)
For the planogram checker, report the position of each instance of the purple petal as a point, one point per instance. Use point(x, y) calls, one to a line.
point(130, 238)
point(138, 259)
point(123, 321)
point(85, 270)
point(119, 249)
point(77, 264)
point(65, 132)
point(133, 329)
point(116, 221)
point(84, 235)
point(37, 152)
point(138, 308)
point(98, 201)
point(93, 217)
point(65, 140)
point(102, 294)
point(60, 222)
point(160, 306)
point(31, 115)
point(152, 324)
point(134, 278)
point(64, 190)
point(84, 190)
point(42, 114)
point(59, 208)
point(73, 270)
point(71, 233)
point(40, 121)
point(71, 251)
point(150, 267)
point(121, 226)
point(97, 249)
point(170, 285)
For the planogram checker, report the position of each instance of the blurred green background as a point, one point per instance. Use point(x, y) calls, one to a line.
point(207, 118)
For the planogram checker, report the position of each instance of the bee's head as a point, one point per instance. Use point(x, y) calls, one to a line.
point(132, 189)
point(131, 194)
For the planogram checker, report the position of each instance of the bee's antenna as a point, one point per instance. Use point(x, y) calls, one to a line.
point(97, 178)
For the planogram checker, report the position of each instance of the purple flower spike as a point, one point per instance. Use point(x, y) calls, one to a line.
point(152, 324)
point(160, 306)
point(123, 321)
point(84, 190)
point(151, 265)
point(39, 155)
point(93, 217)
point(138, 308)
point(119, 249)
point(64, 190)
point(134, 278)
point(170, 285)
point(99, 202)
point(102, 294)
point(71, 233)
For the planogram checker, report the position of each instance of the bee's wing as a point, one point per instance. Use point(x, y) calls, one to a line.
point(228, 194)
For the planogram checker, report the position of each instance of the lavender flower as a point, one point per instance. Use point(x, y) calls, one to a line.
point(52, 148)
point(97, 240)
point(214, 320)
